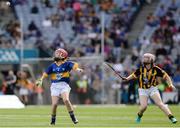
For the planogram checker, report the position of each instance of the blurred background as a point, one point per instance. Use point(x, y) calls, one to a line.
point(92, 31)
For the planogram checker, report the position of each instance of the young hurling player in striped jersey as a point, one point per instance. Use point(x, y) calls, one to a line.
point(147, 76)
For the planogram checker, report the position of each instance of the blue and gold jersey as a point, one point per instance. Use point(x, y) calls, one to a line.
point(61, 73)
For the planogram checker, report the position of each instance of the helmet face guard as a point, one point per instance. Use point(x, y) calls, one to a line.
point(148, 58)
point(58, 59)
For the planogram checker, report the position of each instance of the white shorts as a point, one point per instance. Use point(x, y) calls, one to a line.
point(58, 88)
point(23, 91)
point(148, 92)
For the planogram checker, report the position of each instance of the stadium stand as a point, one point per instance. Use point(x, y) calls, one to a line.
point(81, 20)
point(49, 24)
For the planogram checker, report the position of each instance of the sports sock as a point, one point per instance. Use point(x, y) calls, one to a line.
point(170, 116)
point(71, 113)
point(53, 118)
point(139, 115)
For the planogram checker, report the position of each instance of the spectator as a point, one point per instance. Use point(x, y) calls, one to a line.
point(34, 9)
point(125, 6)
point(32, 27)
point(1, 83)
point(168, 66)
point(176, 37)
point(152, 20)
point(47, 3)
point(19, 2)
point(115, 92)
point(176, 80)
point(132, 91)
point(62, 4)
point(145, 41)
point(162, 11)
point(10, 81)
point(77, 6)
point(136, 44)
point(96, 90)
point(173, 5)
point(73, 85)
point(47, 22)
point(168, 36)
point(22, 83)
point(39, 95)
point(58, 43)
point(117, 47)
point(136, 3)
point(161, 51)
point(55, 19)
point(176, 77)
point(82, 87)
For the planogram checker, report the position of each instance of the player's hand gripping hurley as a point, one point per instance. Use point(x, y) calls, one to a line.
point(123, 78)
point(39, 82)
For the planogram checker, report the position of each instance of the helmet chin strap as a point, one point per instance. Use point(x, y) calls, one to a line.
point(151, 64)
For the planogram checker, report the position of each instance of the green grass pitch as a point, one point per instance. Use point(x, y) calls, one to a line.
point(88, 116)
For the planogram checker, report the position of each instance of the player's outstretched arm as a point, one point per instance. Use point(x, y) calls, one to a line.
point(76, 67)
point(79, 70)
point(169, 81)
point(130, 77)
point(39, 81)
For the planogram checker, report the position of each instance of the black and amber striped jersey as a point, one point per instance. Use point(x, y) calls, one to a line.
point(147, 78)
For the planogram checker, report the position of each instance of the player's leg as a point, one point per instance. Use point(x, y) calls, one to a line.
point(22, 99)
point(143, 100)
point(142, 108)
point(158, 101)
point(65, 97)
point(26, 99)
point(55, 100)
point(55, 93)
point(23, 95)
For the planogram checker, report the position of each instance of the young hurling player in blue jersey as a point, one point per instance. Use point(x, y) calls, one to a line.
point(59, 71)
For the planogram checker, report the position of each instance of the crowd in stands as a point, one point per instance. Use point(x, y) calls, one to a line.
point(11, 36)
point(84, 19)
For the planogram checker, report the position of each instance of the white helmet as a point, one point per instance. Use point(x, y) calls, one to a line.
point(148, 58)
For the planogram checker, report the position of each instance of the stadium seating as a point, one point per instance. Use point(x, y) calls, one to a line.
point(65, 25)
point(148, 31)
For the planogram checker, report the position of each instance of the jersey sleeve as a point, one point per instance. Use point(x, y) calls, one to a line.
point(73, 65)
point(137, 73)
point(49, 70)
point(160, 72)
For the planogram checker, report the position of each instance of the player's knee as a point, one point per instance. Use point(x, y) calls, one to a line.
point(66, 101)
point(54, 104)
